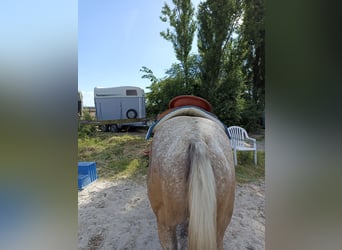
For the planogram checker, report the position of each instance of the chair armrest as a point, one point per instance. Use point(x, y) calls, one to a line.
point(252, 139)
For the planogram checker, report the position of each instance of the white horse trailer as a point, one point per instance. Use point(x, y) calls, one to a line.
point(119, 103)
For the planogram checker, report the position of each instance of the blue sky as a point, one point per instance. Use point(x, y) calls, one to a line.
point(117, 38)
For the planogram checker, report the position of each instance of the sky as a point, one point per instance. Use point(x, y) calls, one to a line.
point(116, 39)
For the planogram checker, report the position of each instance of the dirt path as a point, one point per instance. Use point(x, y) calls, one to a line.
point(118, 216)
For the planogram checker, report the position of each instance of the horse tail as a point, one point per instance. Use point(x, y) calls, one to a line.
point(202, 199)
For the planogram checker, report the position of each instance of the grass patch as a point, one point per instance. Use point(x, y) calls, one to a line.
point(121, 155)
point(117, 155)
point(246, 171)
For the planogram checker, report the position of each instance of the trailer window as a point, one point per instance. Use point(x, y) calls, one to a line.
point(131, 92)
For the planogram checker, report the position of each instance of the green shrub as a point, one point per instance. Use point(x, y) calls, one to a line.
point(86, 130)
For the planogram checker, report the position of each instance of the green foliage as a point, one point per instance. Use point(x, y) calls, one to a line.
point(161, 93)
point(251, 117)
point(229, 70)
point(163, 90)
point(86, 130)
point(148, 74)
point(181, 20)
point(228, 102)
point(252, 42)
point(216, 20)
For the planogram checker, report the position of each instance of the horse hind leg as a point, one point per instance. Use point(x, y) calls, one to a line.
point(182, 235)
point(167, 236)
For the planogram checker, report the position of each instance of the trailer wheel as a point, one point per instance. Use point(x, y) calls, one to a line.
point(131, 114)
point(104, 128)
point(114, 128)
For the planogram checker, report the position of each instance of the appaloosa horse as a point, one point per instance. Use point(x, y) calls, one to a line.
point(191, 179)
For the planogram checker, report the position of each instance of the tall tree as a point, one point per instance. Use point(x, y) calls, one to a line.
point(181, 20)
point(216, 23)
point(172, 85)
point(229, 97)
point(253, 43)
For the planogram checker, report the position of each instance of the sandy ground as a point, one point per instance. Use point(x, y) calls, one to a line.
point(117, 215)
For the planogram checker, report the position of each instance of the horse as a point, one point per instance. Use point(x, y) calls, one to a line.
point(191, 181)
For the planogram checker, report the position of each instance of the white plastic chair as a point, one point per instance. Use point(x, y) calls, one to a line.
point(240, 141)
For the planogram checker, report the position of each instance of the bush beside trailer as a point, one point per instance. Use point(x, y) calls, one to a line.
point(119, 106)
